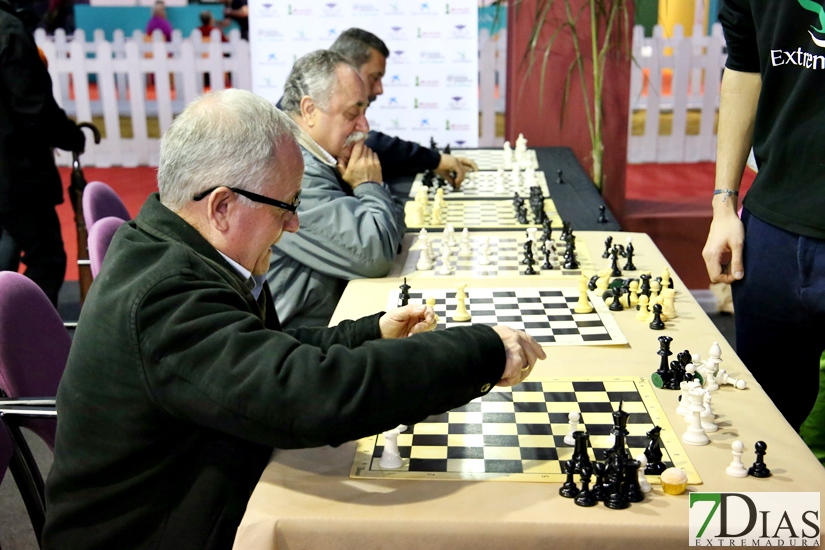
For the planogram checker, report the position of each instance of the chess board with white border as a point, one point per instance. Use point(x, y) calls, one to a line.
point(482, 185)
point(506, 254)
point(517, 434)
point(494, 215)
point(544, 313)
point(493, 159)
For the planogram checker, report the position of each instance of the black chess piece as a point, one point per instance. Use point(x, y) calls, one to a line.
point(540, 215)
point(586, 497)
point(628, 266)
point(530, 263)
point(677, 376)
point(580, 456)
point(598, 486)
point(591, 284)
point(626, 292)
point(602, 216)
point(528, 250)
point(547, 264)
point(518, 202)
point(404, 295)
point(644, 286)
point(653, 452)
point(632, 490)
point(622, 252)
point(657, 323)
point(569, 489)
point(570, 261)
point(447, 150)
point(565, 231)
point(614, 262)
point(433, 144)
point(759, 469)
point(608, 244)
point(662, 376)
point(620, 433)
point(616, 304)
point(521, 215)
point(616, 500)
point(428, 179)
point(559, 177)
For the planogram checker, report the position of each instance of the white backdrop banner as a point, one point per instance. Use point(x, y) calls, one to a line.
point(431, 83)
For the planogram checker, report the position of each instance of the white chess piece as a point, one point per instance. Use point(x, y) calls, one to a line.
point(446, 267)
point(401, 428)
point(573, 417)
point(424, 262)
point(464, 244)
point(736, 468)
point(390, 457)
point(695, 435)
point(515, 177)
point(722, 377)
point(707, 417)
point(485, 252)
point(422, 239)
point(644, 484)
point(683, 408)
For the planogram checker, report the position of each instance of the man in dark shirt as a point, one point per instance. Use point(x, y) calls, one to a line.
point(180, 380)
point(238, 11)
point(31, 124)
point(368, 54)
point(775, 255)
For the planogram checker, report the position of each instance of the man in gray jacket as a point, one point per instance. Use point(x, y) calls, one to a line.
point(350, 224)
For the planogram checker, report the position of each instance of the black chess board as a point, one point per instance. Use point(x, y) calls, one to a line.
point(544, 313)
point(483, 185)
point(489, 214)
point(517, 434)
point(506, 254)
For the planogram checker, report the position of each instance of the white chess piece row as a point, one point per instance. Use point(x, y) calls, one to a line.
point(712, 375)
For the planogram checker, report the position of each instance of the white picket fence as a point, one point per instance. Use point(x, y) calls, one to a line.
point(492, 67)
point(120, 69)
point(696, 64)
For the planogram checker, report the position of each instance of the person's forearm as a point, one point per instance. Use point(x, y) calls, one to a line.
point(737, 111)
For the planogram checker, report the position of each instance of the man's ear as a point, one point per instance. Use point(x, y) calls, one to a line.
point(220, 205)
point(309, 111)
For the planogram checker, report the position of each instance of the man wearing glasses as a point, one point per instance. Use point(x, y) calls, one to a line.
point(180, 381)
point(350, 224)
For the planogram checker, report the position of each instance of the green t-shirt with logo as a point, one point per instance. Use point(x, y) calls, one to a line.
point(784, 40)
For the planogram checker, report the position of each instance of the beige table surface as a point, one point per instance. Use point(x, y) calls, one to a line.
point(306, 499)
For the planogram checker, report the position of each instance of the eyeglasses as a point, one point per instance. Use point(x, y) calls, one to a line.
point(256, 198)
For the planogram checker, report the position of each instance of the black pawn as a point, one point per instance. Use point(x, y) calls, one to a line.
point(632, 489)
point(546, 264)
point(628, 266)
point(559, 178)
point(447, 149)
point(644, 286)
point(616, 500)
point(759, 469)
point(656, 323)
point(598, 487)
point(569, 489)
point(586, 496)
point(580, 456)
point(404, 295)
point(521, 216)
point(616, 304)
point(614, 262)
point(602, 217)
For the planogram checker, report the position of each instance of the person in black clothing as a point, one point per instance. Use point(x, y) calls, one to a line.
point(774, 257)
point(31, 124)
point(238, 11)
point(368, 54)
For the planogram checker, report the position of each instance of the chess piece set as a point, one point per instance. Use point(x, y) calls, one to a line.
point(536, 202)
point(437, 211)
point(619, 479)
point(516, 158)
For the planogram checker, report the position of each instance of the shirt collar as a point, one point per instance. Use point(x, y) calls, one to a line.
point(255, 283)
point(317, 151)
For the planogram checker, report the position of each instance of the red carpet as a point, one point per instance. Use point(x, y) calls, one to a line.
point(671, 202)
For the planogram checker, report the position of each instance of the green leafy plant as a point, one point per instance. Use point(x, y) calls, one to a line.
point(610, 33)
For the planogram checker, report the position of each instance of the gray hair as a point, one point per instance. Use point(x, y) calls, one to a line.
point(356, 44)
point(312, 75)
point(222, 138)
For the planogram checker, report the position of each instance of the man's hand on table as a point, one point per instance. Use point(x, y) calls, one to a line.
point(453, 169)
point(363, 166)
point(522, 352)
point(406, 321)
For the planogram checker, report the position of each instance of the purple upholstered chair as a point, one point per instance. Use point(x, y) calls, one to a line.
point(100, 201)
point(34, 347)
point(100, 236)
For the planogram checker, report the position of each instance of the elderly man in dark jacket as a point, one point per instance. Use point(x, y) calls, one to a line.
point(31, 124)
point(180, 381)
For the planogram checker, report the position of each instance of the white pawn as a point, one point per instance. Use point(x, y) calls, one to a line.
point(573, 417)
point(422, 239)
point(464, 244)
point(446, 267)
point(390, 457)
point(515, 177)
point(424, 262)
point(695, 435)
point(683, 409)
point(736, 468)
point(644, 484)
point(707, 417)
point(484, 259)
point(722, 377)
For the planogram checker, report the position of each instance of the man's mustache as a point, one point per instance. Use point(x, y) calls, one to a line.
point(355, 136)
